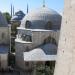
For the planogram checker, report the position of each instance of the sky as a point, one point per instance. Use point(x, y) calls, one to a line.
point(5, 5)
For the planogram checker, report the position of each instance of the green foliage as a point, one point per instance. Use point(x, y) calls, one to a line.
point(45, 70)
point(7, 16)
point(12, 48)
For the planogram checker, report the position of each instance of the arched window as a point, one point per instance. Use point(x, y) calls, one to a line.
point(28, 24)
point(49, 25)
point(27, 38)
point(50, 40)
point(47, 40)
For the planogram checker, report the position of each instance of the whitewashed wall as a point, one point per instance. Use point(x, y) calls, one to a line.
point(4, 61)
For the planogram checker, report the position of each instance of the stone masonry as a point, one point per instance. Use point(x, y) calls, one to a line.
point(65, 64)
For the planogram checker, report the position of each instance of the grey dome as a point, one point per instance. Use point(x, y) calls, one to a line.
point(3, 22)
point(40, 17)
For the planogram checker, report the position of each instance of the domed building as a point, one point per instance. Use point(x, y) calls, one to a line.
point(4, 42)
point(18, 16)
point(39, 19)
point(37, 38)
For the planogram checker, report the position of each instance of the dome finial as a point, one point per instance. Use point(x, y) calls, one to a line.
point(43, 3)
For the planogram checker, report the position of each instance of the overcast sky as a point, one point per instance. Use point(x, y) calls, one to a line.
point(5, 5)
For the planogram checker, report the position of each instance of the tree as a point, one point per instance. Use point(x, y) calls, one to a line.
point(7, 16)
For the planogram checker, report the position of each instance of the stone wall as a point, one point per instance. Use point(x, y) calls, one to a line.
point(66, 51)
point(4, 35)
point(4, 61)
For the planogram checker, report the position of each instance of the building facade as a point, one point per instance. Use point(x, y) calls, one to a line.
point(37, 37)
point(4, 42)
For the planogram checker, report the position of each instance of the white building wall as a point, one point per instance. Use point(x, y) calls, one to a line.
point(37, 39)
point(4, 61)
point(20, 61)
point(20, 48)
